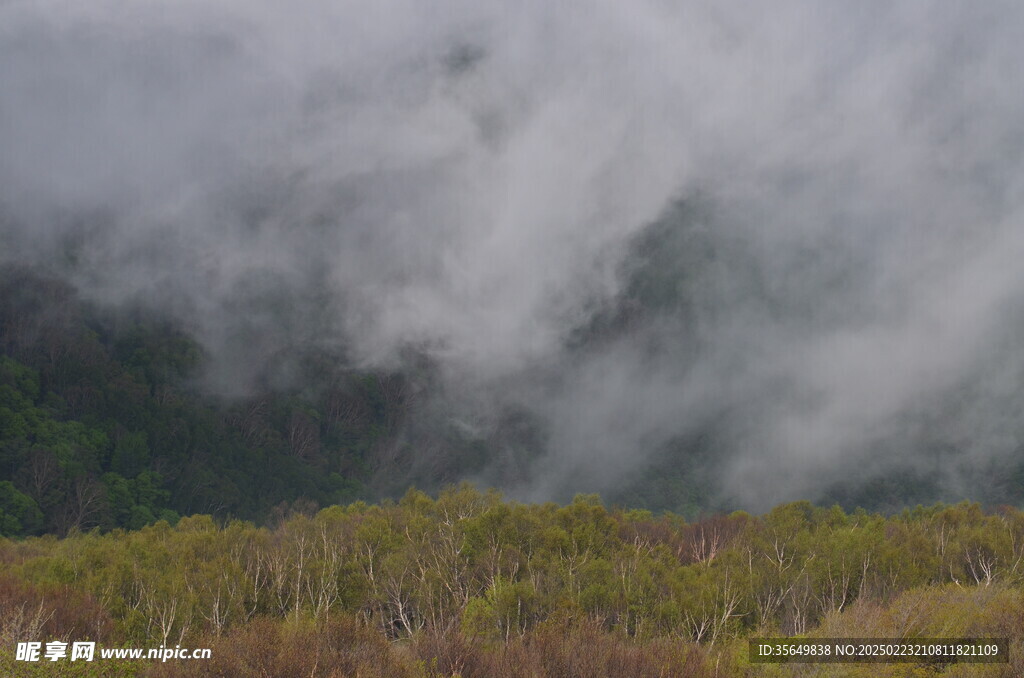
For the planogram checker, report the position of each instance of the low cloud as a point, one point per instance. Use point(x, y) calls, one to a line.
point(477, 182)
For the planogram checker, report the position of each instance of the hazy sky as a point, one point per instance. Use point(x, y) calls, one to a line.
point(469, 178)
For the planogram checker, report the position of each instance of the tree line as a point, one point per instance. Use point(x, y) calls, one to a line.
point(468, 579)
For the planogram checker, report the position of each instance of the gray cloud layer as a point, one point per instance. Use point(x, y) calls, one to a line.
point(469, 178)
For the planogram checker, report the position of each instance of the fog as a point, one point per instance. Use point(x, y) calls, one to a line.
point(788, 230)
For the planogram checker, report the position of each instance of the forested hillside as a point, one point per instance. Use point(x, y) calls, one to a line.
point(470, 585)
point(102, 423)
point(106, 421)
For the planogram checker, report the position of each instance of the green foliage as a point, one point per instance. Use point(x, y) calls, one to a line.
point(468, 577)
point(100, 425)
point(18, 513)
point(497, 569)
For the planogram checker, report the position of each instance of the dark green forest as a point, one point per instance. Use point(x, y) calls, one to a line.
point(102, 423)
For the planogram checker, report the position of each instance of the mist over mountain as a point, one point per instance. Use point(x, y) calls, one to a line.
point(772, 251)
